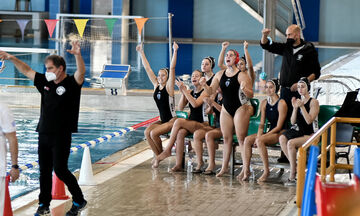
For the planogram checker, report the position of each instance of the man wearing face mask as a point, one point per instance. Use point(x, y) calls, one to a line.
point(59, 112)
point(300, 59)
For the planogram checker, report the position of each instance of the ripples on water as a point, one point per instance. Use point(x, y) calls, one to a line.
point(91, 126)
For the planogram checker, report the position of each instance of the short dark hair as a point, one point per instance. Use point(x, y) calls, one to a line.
point(56, 60)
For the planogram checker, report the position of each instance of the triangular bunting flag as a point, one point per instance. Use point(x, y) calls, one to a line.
point(51, 23)
point(140, 22)
point(22, 24)
point(80, 25)
point(110, 24)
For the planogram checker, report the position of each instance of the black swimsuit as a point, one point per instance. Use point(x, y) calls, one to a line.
point(165, 103)
point(272, 114)
point(197, 113)
point(230, 89)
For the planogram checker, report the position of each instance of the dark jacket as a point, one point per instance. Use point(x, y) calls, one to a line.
point(294, 66)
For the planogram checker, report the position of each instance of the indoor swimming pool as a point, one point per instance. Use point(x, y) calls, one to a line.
point(92, 124)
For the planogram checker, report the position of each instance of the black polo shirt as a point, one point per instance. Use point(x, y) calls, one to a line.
point(60, 104)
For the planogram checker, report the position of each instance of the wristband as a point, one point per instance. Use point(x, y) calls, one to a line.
point(15, 166)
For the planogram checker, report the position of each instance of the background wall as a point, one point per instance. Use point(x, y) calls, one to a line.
point(37, 5)
point(339, 21)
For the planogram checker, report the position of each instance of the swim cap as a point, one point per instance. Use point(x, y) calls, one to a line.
point(211, 60)
point(263, 75)
point(276, 84)
point(306, 81)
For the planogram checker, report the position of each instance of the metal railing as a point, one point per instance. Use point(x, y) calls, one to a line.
point(324, 171)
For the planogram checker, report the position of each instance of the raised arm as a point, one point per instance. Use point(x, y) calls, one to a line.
point(246, 85)
point(271, 46)
point(20, 65)
point(249, 62)
point(13, 147)
point(221, 64)
point(171, 81)
point(294, 112)
point(265, 33)
point(80, 65)
point(149, 71)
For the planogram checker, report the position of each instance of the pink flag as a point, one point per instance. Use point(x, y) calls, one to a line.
point(22, 24)
point(51, 23)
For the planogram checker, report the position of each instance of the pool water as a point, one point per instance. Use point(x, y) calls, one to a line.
point(91, 125)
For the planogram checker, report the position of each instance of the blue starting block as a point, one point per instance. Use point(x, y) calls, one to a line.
point(114, 78)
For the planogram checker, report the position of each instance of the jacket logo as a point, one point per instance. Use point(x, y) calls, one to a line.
point(46, 88)
point(60, 90)
point(299, 57)
point(158, 95)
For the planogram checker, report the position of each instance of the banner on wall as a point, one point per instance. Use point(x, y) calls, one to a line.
point(110, 24)
point(80, 25)
point(140, 22)
point(22, 24)
point(50, 24)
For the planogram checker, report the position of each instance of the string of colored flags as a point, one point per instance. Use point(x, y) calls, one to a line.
point(79, 23)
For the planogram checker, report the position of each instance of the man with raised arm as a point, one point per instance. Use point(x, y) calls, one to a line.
point(300, 59)
point(60, 102)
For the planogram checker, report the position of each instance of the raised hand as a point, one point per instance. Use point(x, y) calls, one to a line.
point(75, 48)
point(175, 46)
point(4, 55)
point(202, 81)
point(266, 32)
point(225, 44)
point(180, 85)
point(246, 44)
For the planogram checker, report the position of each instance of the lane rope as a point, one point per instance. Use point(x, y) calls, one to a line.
point(99, 140)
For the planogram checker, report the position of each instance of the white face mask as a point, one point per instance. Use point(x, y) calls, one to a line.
point(50, 76)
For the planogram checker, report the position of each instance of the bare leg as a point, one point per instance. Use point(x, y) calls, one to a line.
point(227, 129)
point(199, 135)
point(210, 141)
point(149, 140)
point(293, 144)
point(241, 122)
point(179, 150)
point(248, 143)
point(283, 144)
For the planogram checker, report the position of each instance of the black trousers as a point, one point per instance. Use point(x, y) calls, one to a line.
point(54, 151)
point(287, 94)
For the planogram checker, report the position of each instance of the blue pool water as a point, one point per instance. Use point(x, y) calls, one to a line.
point(91, 125)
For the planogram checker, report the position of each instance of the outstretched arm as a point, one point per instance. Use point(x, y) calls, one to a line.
point(146, 65)
point(20, 65)
point(13, 147)
point(80, 65)
point(251, 71)
point(221, 64)
point(171, 81)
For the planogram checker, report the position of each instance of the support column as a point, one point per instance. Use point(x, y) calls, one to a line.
point(182, 27)
point(117, 7)
point(269, 22)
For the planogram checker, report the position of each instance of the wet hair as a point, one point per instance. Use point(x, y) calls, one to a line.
point(211, 60)
point(276, 83)
point(243, 58)
point(306, 81)
point(237, 56)
point(56, 60)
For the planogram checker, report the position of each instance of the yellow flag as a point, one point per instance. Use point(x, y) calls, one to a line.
point(140, 22)
point(80, 25)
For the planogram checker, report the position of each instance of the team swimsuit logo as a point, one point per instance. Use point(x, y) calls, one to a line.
point(60, 90)
point(227, 83)
point(158, 95)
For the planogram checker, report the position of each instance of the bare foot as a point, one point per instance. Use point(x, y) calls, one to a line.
point(246, 176)
point(222, 172)
point(264, 176)
point(241, 175)
point(199, 165)
point(155, 163)
point(159, 158)
point(177, 168)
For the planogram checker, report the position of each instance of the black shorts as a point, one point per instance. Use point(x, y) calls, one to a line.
point(292, 133)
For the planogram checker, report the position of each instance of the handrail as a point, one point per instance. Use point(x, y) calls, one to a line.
point(314, 140)
point(298, 15)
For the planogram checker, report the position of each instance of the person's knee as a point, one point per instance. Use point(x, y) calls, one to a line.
point(291, 145)
point(147, 132)
point(154, 134)
point(282, 140)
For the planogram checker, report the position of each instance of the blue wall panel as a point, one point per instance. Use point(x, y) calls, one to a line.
point(311, 11)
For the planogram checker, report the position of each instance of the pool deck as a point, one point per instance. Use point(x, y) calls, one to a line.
point(129, 186)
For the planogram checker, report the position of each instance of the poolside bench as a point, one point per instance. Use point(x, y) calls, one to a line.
point(114, 78)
